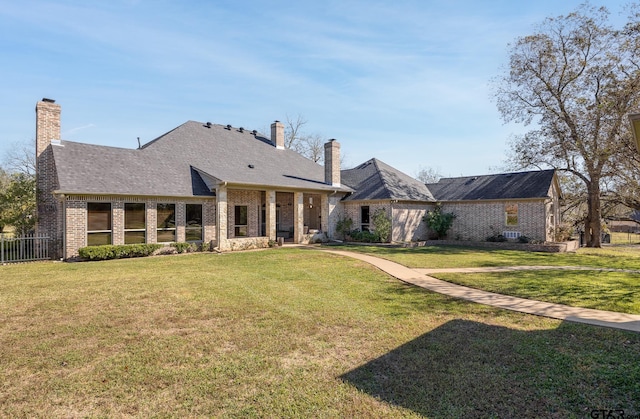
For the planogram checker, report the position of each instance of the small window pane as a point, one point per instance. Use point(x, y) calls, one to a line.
point(241, 215)
point(132, 237)
point(240, 231)
point(165, 236)
point(98, 216)
point(194, 215)
point(166, 215)
point(193, 229)
point(364, 218)
point(193, 235)
point(511, 214)
point(365, 215)
point(134, 216)
point(98, 239)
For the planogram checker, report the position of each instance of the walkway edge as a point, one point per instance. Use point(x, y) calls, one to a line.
point(623, 321)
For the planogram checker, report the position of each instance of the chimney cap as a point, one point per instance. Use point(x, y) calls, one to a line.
point(45, 99)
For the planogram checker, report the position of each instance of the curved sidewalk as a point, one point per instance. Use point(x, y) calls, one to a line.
point(612, 319)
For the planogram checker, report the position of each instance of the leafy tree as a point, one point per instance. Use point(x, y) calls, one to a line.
point(18, 188)
point(5, 179)
point(577, 78)
point(343, 226)
point(18, 204)
point(439, 222)
point(382, 225)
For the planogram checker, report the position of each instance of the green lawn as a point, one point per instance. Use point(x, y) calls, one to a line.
point(466, 257)
point(613, 291)
point(287, 333)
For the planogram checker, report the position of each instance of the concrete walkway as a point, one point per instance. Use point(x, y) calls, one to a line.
point(557, 311)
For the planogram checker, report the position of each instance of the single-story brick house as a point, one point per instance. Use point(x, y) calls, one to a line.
point(509, 204)
point(236, 189)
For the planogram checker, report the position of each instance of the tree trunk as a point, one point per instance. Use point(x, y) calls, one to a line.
point(592, 226)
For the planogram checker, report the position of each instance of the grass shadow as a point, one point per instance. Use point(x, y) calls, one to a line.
point(470, 369)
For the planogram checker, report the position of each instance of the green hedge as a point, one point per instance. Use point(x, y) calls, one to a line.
point(365, 236)
point(184, 247)
point(117, 251)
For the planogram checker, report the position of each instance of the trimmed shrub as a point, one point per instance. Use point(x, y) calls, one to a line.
point(382, 225)
point(343, 226)
point(497, 238)
point(439, 222)
point(184, 247)
point(117, 251)
point(364, 236)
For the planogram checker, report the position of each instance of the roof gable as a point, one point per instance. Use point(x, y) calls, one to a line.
point(376, 180)
point(521, 185)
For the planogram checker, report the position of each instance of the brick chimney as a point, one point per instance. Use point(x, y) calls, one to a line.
point(48, 212)
point(47, 125)
point(332, 163)
point(277, 134)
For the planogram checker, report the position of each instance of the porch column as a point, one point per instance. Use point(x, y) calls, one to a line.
point(270, 214)
point(221, 213)
point(324, 214)
point(298, 216)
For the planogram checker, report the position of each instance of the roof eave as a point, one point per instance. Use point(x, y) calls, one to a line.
point(60, 192)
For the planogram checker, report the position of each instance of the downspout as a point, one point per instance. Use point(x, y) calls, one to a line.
point(63, 251)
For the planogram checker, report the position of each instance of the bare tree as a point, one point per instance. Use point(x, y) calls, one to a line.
point(20, 158)
point(428, 175)
point(313, 147)
point(577, 78)
point(309, 145)
point(293, 132)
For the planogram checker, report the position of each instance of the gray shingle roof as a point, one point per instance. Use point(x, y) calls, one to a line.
point(181, 163)
point(376, 180)
point(521, 185)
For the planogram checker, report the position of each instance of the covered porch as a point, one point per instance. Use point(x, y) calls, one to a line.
point(254, 219)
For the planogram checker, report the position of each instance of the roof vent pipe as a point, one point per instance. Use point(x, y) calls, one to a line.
point(208, 125)
point(229, 127)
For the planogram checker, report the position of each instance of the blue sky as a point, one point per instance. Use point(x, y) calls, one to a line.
point(407, 82)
